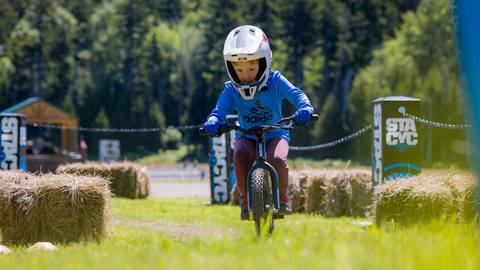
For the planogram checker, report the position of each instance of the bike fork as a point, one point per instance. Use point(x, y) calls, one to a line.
point(263, 164)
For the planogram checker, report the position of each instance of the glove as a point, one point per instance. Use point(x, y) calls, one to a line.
point(302, 116)
point(212, 124)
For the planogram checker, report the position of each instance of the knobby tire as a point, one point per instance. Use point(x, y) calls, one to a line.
point(262, 205)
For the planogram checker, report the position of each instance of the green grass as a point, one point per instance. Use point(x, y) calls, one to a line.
point(214, 238)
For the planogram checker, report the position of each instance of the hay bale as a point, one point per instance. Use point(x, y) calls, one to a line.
point(127, 179)
point(467, 205)
point(424, 198)
point(330, 192)
point(362, 192)
point(463, 191)
point(338, 196)
point(335, 192)
point(296, 190)
point(55, 208)
point(315, 193)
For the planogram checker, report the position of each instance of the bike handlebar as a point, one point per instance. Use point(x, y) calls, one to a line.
point(284, 123)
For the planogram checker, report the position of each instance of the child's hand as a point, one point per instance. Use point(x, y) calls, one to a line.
point(211, 126)
point(302, 116)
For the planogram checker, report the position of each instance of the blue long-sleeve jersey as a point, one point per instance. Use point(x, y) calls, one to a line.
point(265, 108)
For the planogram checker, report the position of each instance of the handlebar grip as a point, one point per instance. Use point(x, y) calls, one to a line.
point(202, 131)
point(221, 129)
point(314, 117)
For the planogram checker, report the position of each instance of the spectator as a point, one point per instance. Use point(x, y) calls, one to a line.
point(83, 148)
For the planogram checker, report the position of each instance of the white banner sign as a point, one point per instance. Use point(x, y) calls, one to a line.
point(109, 150)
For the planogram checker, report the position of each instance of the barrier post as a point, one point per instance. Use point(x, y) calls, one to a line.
point(13, 142)
point(222, 178)
point(219, 170)
point(396, 150)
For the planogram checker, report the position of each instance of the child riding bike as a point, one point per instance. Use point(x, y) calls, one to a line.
point(256, 93)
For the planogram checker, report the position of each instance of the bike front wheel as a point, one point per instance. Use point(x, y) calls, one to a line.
point(262, 204)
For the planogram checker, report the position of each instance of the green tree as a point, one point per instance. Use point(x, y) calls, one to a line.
point(421, 62)
point(216, 20)
point(120, 70)
point(40, 50)
point(294, 24)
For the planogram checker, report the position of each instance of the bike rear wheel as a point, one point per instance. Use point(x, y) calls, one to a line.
point(262, 204)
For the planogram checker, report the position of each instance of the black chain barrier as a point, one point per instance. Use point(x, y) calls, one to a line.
point(426, 122)
point(331, 144)
point(190, 127)
point(291, 148)
point(116, 130)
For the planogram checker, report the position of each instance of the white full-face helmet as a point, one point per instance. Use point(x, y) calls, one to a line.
point(246, 43)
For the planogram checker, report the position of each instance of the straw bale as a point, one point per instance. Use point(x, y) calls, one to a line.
point(296, 194)
point(362, 192)
point(463, 191)
point(315, 193)
point(330, 192)
point(56, 208)
point(338, 196)
point(467, 203)
point(333, 192)
point(127, 179)
point(424, 198)
point(296, 190)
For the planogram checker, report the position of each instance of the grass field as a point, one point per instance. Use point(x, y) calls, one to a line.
point(187, 234)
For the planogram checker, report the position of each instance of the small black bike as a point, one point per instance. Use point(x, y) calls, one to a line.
point(262, 179)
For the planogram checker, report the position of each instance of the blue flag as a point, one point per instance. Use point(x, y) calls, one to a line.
point(467, 22)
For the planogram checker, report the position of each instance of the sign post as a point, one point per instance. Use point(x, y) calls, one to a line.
point(13, 142)
point(222, 178)
point(219, 169)
point(396, 150)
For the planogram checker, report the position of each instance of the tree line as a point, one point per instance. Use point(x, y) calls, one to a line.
point(157, 63)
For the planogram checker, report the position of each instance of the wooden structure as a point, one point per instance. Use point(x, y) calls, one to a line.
point(41, 112)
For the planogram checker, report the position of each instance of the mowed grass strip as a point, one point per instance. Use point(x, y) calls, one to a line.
point(299, 241)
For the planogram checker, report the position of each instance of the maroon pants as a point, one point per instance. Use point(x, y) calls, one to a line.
point(244, 155)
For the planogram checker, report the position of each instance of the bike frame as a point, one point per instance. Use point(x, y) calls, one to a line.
point(261, 163)
point(261, 160)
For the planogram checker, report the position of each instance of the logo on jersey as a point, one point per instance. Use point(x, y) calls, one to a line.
point(258, 113)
